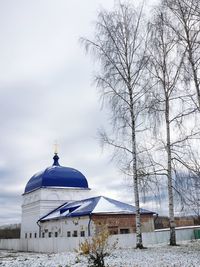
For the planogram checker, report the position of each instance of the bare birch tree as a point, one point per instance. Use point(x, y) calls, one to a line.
point(187, 186)
point(187, 182)
point(120, 49)
point(170, 104)
point(185, 23)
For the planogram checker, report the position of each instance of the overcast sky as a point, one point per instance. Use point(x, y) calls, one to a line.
point(46, 94)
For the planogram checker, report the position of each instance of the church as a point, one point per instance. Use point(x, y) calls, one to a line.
point(57, 202)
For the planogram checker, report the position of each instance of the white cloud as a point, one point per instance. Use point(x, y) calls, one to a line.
point(46, 94)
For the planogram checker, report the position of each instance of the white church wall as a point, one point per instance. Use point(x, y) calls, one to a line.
point(30, 213)
point(68, 226)
point(64, 194)
point(40, 202)
point(61, 244)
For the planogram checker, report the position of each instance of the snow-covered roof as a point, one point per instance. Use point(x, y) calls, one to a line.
point(94, 205)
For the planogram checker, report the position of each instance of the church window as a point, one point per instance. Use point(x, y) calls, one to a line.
point(35, 235)
point(82, 233)
point(75, 234)
point(30, 235)
point(49, 234)
point(43, 235)
point(125, 231)
point(56, 234)
point(68, 234)
point(113, 230)
point(25, 235)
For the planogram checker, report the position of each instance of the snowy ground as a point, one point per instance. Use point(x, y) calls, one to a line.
point(185, 255)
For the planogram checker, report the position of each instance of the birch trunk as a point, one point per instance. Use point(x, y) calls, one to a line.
point(169, 176)
point(136, 194)
point(135, 178)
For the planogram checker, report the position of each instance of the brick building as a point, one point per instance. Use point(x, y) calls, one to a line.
point(88, 216)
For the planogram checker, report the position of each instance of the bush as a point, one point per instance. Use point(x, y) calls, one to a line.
point(96, 249)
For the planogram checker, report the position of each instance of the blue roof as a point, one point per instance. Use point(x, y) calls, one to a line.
point(95, 205)
point(57, 176)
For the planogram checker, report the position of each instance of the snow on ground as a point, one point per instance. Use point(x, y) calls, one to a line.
point(187, 254)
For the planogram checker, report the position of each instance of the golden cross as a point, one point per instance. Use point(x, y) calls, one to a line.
point(56, 147)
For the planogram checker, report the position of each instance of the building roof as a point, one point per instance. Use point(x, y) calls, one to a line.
point(57, 176)
point(94, 205)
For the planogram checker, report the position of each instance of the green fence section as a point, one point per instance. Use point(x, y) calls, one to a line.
point(197, 233)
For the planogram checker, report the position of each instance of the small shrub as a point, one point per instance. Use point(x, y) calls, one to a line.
point(96, 249)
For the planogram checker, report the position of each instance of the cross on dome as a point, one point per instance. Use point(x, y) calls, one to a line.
point(56, 158)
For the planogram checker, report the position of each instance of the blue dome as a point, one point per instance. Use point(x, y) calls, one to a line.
point(57, 176)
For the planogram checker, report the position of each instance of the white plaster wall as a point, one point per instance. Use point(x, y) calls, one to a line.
point(40, 202)
point(61, 244)
point(151, 238)
point(11, 244)
point(54, 245)
point(46, 245)
point(62, 226)
point(65, 194)
point(30, 213)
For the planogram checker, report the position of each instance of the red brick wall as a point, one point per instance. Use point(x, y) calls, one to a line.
point(115, 222)
point(163, 222)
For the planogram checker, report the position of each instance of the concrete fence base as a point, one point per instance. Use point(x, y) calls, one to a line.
point(61, 244)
